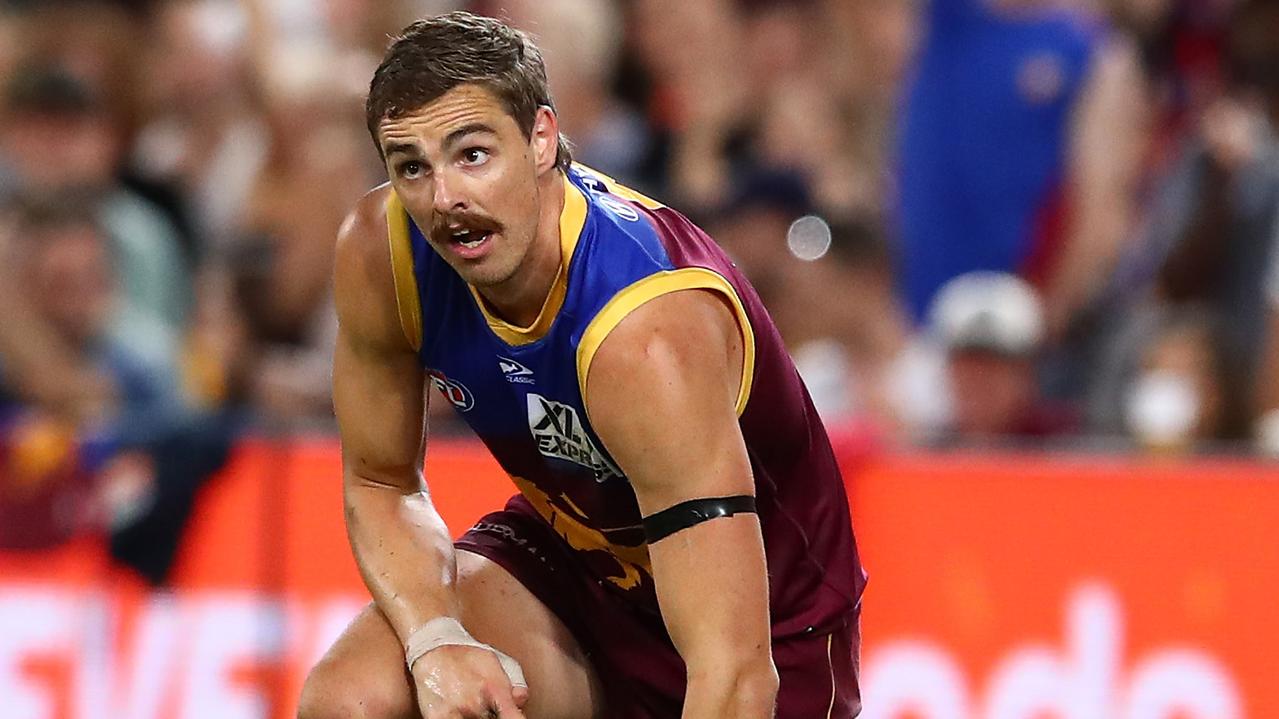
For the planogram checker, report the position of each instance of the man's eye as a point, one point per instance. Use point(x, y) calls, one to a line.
point(412, 168)
point(474, 156)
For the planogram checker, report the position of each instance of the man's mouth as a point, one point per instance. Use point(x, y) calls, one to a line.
point(467, 243)
point(469, 238)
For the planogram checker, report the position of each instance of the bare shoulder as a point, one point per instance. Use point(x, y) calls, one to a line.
point(688, 318)
point(361, 241)
point(685, 338)
point(662, 395)
point(363, 283)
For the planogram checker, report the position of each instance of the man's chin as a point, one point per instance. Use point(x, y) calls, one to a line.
point(481, 275)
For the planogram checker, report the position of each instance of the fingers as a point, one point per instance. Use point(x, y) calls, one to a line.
point(520, 694)
point(493, 709)
point(507, 708)
point(498, 699)
point(462, 682)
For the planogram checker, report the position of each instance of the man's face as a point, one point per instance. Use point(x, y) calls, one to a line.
point(52, 152)
point(991, 392)
point(468, 176)
point(71, 282)
point(193, 58)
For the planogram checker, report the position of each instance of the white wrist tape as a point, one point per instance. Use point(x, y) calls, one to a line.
point(447, 631)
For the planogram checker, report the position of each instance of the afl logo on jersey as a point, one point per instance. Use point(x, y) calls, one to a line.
point(455, 392)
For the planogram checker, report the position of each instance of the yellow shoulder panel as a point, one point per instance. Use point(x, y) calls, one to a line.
point(406, 297)
point(652, 287)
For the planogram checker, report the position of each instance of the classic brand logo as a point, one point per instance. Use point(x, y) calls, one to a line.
point(514, 371)
point(559, 434)
point(453, 391)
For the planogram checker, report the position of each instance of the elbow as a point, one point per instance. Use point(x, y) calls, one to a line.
point(756, 690)
point(745, 689)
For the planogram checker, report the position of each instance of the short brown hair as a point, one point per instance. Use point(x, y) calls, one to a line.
point(433, 56)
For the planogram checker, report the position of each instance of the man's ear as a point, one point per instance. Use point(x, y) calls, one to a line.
point(545, 139)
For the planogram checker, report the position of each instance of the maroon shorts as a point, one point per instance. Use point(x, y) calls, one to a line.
point(640, 670)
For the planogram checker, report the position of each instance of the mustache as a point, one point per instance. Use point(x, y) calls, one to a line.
point(444, 226)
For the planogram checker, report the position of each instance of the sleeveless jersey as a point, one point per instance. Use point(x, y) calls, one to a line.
point(521, 391)
point(984, 140)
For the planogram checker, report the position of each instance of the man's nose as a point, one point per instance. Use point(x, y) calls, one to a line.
point(448, 197)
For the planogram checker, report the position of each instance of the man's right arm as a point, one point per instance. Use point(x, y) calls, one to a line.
point(401, 545)
point(394, 530)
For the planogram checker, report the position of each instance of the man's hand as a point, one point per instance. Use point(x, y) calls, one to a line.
point(465, 682)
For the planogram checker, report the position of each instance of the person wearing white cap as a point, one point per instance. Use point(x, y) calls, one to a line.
point(991, 328)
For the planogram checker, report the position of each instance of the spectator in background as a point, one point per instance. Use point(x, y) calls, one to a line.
point(68, 278)
point(1022, 140)
point(59, 141)
point(741, 86)
point(828, 288)
point(1211, 235)
point(693, 54)
point(1256, 59)
point(319, 163)
point(202, 131)
point(868, 46)
point(799, 116)
point(1175, 400)
point(94, 41)
point(1182, 44)
point(752, 227)
point(210, 78)
point(47, 392)
point(131, 464)
point(991, 326)
point(61, 266)
point(581, 41)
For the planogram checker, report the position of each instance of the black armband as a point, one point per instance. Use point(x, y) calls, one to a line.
point(660, 525)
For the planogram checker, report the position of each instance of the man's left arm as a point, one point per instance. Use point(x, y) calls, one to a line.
point(661, 393)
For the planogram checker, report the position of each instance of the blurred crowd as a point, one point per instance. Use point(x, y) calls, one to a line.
point(1038, 223)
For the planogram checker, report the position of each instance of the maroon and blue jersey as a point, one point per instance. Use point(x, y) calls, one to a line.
point(521, 390)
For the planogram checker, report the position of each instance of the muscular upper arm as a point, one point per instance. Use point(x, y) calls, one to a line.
point(661, 394)
point(377, 380)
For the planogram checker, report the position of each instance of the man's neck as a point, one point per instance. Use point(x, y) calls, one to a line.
point(519, 300)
